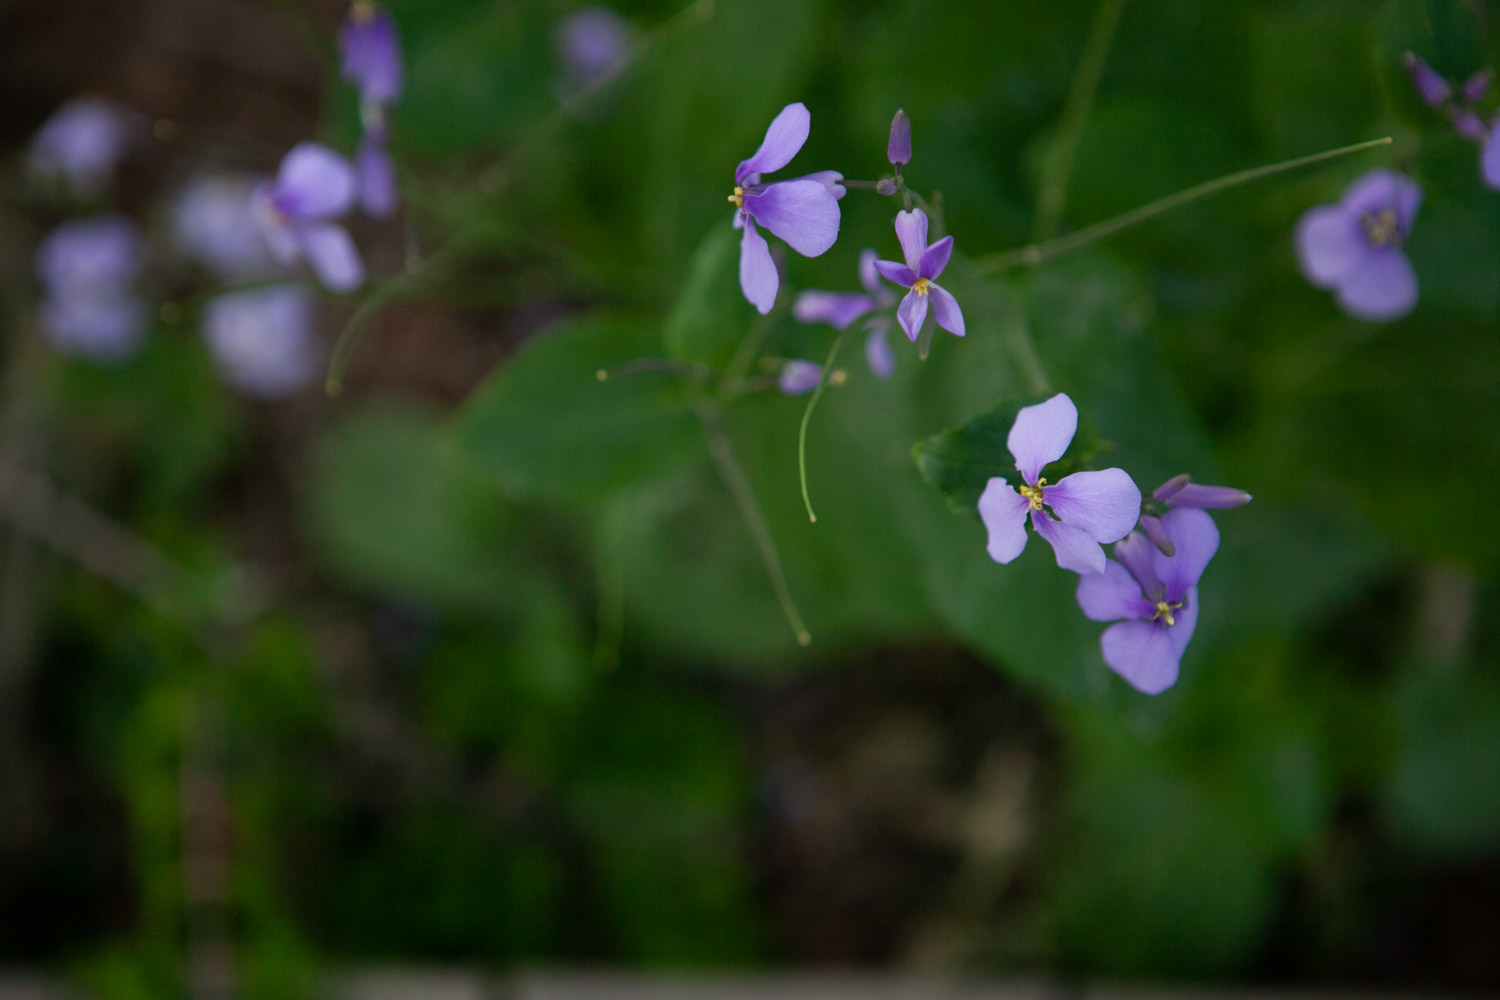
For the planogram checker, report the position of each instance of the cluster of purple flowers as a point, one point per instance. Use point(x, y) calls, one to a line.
point(1462, 107)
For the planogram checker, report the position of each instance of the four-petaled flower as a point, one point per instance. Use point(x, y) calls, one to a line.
point(920, 273)
point(313, 186)
point(1075, 514)
point(1153, 598)
point(1355, 246)
point(804, 212)
point(839, 309)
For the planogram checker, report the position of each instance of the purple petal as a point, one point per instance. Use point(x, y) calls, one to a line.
point(371, 51)
point(82, 255)
point(1208, 497)
point(1105, 504)
point(1330, 244)
point(1138, 554)
point(945, 310)
point(912, 312)
point(213, 220)
point(377, 180)
point(1170, 487)
point(831, 179)
point(1075, 549)
point(837, 309)
point(331, 253)
point(1408, 201)
point(803, 213)
point(898, 148)
point(758, 278)
point(1041, 434)
point(799, 377)
point(274, 226)
point(1112, 595)
point(1380, 189)
point(314, 182)
point(1476, 86)
point(911, 230)
point(1003, 512)
point(262, 339)
point(1469, 125)
point(869, 274)
point(1489, 160)
point(82, 143)
point(1383, 287)
point(785, 136)
point(1196, 539)
point(1143, 653)
point(595, 43)
point(897, 273)
point(878, 352)
point(935, 258)
point(1433, 88)
point(105, 325)
point(1158, 535)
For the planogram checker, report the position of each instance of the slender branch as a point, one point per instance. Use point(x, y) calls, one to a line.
point(807, 418)
point(1053, 195)
point(722, 451)
point(1036, 253)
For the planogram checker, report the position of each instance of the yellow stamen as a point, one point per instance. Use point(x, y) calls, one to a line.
point(1033, 494)
point(1164, 612)
point(920, 287)
point(1380, 228)
point(738, 197)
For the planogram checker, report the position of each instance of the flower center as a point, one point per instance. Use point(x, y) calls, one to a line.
point(1033, 494)
point(1164, 612)
point(738, 197)
point(920, 286)
point(1380, 228)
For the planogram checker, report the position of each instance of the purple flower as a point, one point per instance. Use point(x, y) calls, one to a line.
point(313, 186)
point(1429, 83)
point(1477, 86)
point(214, 221)
point(839, 309)
point(1354, 247)
point(920, 273)
point(1469, 125)
point(595, 44)
point(1489, 160)
point(1075, 514)
point(898, 148)
point(262, 339)
point(87, 268)
point(82, 143)
point(803, 212)
point(1154, 599)
point(371, 52)
point(799, 377)
point(376, 176)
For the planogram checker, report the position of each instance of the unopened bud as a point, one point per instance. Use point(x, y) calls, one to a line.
point(1433, 88)
point(885, 186)
point(1476, 86)
point(898, 150)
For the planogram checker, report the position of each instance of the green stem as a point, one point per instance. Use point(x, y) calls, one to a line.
point(1053, 195)
point(745, 353)
point(1036, 253)
point(807, 418)
point(1026, 357)
point(722, 451)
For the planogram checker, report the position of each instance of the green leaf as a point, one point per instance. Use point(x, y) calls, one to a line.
point(546, 427)
point(711, 314)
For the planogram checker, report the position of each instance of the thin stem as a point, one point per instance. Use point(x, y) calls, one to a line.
point(1036, 253)
point(1026, 356)
point(807, 418)
point(720, 448)
point(745, 353)
point(1053, 195)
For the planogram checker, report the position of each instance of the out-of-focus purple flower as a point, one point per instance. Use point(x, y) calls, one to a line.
point(803, 212)
point(313, 186)
point(595, 43)
point(1075, 514)
point(1489, 159)
point(87, 268)
point(377, 178)
point(214, 221)
point(898, 148)
point(1429, 83)
point(1153, 598)
point(1469, 125)
point(799, 377)
point(1477, 86)
point(1355, 246)
point(1181, 491)
point(262, 339)
point(839, 309)
point(924, 264)
point(371, 51)
point(82, 143)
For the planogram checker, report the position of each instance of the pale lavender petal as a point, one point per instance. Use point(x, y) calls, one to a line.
point(1143, 654)
point(1186, 618)
point(945, 310)
point(935, 258)
point(1196, 539)
point(377, 180)
point(213, 220)
point(371, 51)
point(1112, 595)
point(758, 277)
point(1003, 512)
point(911, 313)
point(837, 309)
point(1208, 497)
point(831, 179)
point(1138, 555)
point(1433, 88)
point(1330, 244)
point(1041, 434)
point(106, 325)
point(85, 254)
point(898, 273)
point(331, 254)
point(1158, 535)
point(314, 182)
point(82, 143)
point(1105, 504)
point(1372, 191)
point(1075, 549)
point(1469, 125)
point(898, 148)
point(799, 377)
point(869, 274)
point(878, 352)
point(803, 213)
point(595, 43)
point(911, 230)
point(1408, 201)
point(274, 226)
point(1489, 160)
point(1383, 287)
point(1478, 85)
point(785, 136)
point(262, 339)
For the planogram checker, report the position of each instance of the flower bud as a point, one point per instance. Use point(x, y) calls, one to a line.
point(1433, 88)
point(1208, 497)
point(1157, 532)
point(898, 150)
point(885, 186)
point(1469, 125)
point(1476, 86)
point(799, 377)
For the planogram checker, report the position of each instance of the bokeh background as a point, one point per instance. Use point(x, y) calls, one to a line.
point(477, 662)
